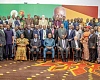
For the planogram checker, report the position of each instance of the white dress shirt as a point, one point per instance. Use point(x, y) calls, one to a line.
point(70, 31)
point(63, 43)
point(44, 34)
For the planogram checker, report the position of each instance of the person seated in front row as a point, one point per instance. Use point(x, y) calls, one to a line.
point(76, 46)
point(35, 45)
point(21, 48)
point(49, 44)
point(63, 45)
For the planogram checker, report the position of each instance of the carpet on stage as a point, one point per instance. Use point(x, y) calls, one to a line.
point(30, 70)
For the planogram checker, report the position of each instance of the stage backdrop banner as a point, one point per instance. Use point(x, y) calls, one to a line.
point(70, 11)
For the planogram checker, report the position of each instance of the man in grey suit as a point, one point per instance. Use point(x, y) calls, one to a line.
point(61, 31)
point(76, 46)
point(35, 45)
point(63, 45)
point(2, 41)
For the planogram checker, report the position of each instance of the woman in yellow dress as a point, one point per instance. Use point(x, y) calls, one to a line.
point(21, 48)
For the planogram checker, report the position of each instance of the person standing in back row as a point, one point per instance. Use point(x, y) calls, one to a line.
point(9, 35)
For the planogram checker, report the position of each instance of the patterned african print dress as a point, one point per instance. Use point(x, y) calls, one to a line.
point(85, 45)
point(21, 49)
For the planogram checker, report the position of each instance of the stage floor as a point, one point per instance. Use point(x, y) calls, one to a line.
point(30, 70)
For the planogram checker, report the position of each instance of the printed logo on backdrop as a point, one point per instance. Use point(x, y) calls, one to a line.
point(21, 12)
point(59, 12)
point(14, 12)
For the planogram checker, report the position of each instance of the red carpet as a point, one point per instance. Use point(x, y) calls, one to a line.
point(29, 70)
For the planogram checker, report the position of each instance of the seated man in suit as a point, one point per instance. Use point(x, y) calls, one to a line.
point(76, 46)
point(49, 44)
point(63, 45)
point(35, 44)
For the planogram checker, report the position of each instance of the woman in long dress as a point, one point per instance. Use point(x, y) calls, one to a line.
point(85, 43)
point(21, 48)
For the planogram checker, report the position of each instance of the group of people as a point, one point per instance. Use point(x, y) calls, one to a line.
point(22, 38)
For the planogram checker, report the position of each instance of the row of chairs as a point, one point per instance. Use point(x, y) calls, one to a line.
point(49, 53)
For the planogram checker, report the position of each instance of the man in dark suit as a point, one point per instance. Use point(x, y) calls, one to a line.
point(36, 31)
point(48, 30)
point(28, 33)
point(61, 31)
point(76, 45)
point(70, 37)
point(92, 46)
point(2, 41)
point(43, 34)
point(35, 45)
point(63, 45)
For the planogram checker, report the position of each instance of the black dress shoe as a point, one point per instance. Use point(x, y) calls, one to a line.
point(92, 61)
point(44, 59)
point(89, 60)
point(76, 61)
point(53, 60)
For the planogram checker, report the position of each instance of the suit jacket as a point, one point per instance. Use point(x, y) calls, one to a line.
point(60, 33)
point(17, 23)
point(60, 45)
point(43, 23)
point(73, 45)
point(28, 35)
point(72, 34)
point(18, 32)
point(92, 41)
point(41, 34)
point(2, 38)
point(33, 43)
point(56, 35)
point(57, 23)
point(35, 31)
point(35, 21)
point(29, 21)
point(48, 31)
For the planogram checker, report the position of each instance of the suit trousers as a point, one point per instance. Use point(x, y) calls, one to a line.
point(32, 52)
point(8, 50)
point(78, 54)
point(46, 50)
point(71, 53)
point(92, 54)
point(1, 52)
point(62, 53)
